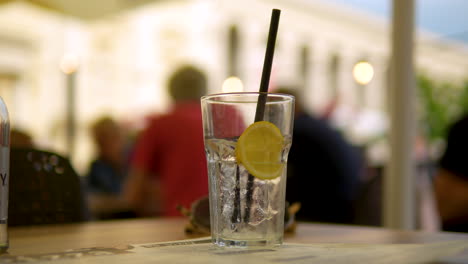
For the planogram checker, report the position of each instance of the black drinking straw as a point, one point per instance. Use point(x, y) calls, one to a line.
point(264, 83)
point(267, 63)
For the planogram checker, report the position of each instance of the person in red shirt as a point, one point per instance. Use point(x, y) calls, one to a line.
point(169, 159)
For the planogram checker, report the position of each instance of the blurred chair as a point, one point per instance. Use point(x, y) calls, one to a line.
point(368, 203)
point(44, 189)
point(368, 206)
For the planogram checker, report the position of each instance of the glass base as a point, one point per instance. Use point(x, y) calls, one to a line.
point(230, 243)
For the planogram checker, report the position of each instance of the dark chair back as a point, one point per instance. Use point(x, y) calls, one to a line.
point(44, 189)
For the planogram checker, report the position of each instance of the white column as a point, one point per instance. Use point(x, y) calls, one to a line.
point(349, 92)
point(320, 93)
point(374, 91)
point(399, 196)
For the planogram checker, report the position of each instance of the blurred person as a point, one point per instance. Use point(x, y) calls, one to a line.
point(169, 156)
point(324, 170)
point(20, 139)
point(106, 174)
point(107, 171)
point(451, 180)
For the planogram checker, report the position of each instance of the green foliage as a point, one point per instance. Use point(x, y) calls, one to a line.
point(442, 104)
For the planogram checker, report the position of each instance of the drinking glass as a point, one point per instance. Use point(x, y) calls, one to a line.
point(245, 210)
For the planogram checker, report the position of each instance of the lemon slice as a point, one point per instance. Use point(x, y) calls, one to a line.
point(259, 150)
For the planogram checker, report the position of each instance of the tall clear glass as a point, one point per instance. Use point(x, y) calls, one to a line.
point(245, 211)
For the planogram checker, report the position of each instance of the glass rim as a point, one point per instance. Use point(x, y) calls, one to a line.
point(211, 97)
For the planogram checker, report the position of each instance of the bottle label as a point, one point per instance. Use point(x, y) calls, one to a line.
point(4, 181)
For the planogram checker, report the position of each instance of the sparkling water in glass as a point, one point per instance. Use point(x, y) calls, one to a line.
point(245, 211)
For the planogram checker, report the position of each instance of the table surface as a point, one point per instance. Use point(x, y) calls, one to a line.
point(119, 233)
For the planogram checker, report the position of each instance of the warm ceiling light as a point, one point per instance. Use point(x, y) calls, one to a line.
point(363, 72)
point(69, 63)
point(232, 84)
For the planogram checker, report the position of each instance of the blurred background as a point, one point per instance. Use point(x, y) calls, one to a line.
point(65, 63)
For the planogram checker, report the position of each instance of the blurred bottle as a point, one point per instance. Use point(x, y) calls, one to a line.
point(4, 173)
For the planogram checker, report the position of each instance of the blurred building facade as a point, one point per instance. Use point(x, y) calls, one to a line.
point(123, 60)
